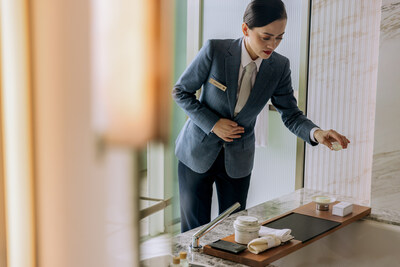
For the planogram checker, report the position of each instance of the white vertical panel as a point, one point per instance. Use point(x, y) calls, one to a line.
point(275, 166)
point(155, 183)
point(193, 29)
point(223, 19)
point(341, 95)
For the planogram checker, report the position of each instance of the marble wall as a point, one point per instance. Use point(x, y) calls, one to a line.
point(385, 189)
point(388, 90)
point(343, 70)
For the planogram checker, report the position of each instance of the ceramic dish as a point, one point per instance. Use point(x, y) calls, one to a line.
point(322, 202)
point(323, 199)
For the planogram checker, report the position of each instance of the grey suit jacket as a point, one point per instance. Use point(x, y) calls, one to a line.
point(220, 60)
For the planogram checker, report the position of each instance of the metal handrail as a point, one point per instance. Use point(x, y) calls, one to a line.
point(155, 208)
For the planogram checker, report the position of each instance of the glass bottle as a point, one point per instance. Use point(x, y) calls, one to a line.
point(183, 257)
point(176, 262)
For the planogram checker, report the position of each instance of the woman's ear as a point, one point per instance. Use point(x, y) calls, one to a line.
point(245, 29)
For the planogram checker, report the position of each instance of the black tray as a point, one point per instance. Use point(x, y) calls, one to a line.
point(303, 227)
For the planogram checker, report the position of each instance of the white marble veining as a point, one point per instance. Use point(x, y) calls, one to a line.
point(385, 195)
point(390, 24)
point(264, 212)
point(385, 184)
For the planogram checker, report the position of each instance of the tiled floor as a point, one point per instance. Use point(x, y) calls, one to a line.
point(385, 184)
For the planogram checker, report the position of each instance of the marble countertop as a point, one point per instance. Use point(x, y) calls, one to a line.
point(263, 212)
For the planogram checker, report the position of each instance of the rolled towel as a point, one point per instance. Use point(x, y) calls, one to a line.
point(263, 243)
point(282, 234)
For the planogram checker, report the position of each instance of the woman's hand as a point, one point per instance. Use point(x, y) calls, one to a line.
point(227, 130)
point(327, 137)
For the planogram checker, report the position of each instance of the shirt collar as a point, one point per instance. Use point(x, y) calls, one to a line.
point(246, 59)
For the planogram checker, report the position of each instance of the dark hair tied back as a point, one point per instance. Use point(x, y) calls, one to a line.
point(262, 12)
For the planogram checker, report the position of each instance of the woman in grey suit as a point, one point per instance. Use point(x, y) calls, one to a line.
point(217, 143)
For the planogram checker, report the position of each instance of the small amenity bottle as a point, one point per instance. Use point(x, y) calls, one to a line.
point(176, 262)
point(183, 257)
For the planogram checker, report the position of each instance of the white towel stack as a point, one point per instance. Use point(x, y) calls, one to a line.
point(269, 238)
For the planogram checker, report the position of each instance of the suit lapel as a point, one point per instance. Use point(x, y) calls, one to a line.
point(260, 85)
point(232, 64)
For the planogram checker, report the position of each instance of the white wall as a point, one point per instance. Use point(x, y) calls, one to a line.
point(387, 126)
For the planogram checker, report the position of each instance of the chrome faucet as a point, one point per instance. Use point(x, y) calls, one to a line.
point(195, 246)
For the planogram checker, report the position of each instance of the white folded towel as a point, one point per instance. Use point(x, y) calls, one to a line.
point(282, 234)
point(263, 243)
point(261, 127)
point(270, 238)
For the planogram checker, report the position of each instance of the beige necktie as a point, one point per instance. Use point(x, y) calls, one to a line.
point(245, 87)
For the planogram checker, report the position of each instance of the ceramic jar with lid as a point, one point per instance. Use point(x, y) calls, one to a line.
point(246, 229)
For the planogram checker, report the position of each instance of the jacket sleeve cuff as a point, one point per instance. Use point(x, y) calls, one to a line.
point(312, 134)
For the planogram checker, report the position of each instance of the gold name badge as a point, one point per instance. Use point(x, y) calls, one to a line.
point(217, 84)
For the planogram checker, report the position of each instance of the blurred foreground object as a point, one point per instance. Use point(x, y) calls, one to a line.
point(133, 52)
